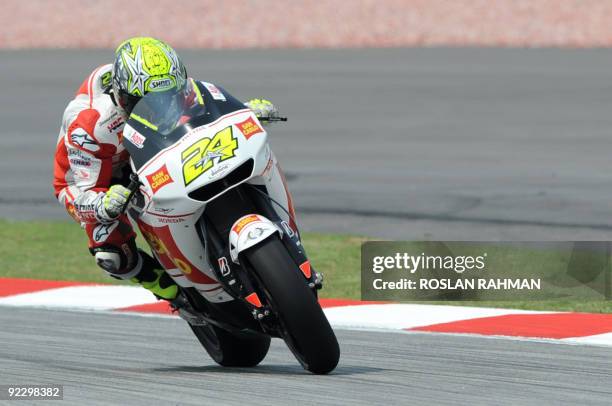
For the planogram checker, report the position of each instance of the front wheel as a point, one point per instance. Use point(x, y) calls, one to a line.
point(305, 327)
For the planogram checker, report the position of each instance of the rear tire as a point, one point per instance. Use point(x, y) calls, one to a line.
point(230, 350)
point(306, 329)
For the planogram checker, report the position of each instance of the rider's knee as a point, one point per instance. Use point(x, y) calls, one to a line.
point(119, 262)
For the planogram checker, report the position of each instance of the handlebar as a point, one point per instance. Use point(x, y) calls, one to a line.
point(272, 119)
point(134, 183)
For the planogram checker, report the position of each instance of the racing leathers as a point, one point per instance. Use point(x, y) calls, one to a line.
point(89, 158)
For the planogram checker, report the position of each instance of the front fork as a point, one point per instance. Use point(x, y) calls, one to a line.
point(236, 278)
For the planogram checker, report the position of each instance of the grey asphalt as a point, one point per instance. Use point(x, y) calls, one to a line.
point(103, 359)
point(460, 144)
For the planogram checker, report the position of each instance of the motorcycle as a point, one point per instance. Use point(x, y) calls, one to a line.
point(212, 202)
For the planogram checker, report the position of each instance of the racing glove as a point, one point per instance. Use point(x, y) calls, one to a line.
point(262, 108)
point(110, 204)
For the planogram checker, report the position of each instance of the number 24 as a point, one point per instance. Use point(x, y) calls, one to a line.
point(199, 157)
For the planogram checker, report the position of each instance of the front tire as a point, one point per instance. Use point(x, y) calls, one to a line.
point(306, 329)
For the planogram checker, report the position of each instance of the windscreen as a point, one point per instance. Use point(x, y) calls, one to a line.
point(163, 118)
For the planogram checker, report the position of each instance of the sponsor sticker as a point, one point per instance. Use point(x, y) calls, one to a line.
point(159, 179)
point(214, 91)
point(163, 210)
point(171, 220)
point(224, 266)
point(134, 137)
point(255, 234)
point(288, 229)
point(214, 172)
point(249, 128)
point(245, 221)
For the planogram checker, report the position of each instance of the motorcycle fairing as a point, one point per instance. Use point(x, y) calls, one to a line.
point(169, 213)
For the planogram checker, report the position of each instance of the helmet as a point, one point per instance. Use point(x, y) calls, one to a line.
point(143, 65)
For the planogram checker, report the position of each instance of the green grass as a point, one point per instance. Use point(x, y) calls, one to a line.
point(47, 250)
point(57, 250)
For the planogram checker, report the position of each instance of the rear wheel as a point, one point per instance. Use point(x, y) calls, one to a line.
point(231, 350)
point(305, 327)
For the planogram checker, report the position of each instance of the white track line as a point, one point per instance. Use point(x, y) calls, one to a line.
point(102, 297)
point(403, 316)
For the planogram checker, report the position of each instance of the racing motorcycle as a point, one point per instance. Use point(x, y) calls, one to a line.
point(212, 202)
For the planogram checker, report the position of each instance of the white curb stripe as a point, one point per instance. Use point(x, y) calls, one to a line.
point(83, 297)
point(404, 316)
point(599, 339)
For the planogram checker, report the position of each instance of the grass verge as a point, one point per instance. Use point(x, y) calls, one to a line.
point(57, 250)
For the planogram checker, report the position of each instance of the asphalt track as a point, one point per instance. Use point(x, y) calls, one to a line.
point(459, 144)
point(120, 359)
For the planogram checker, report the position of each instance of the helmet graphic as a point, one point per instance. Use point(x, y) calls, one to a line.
point(143, 65)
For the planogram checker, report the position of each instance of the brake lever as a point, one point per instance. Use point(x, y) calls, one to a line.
point(133, 187)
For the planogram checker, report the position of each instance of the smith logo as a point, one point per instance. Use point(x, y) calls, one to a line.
point(244, 221)
point(159, 179)
point(249, 128)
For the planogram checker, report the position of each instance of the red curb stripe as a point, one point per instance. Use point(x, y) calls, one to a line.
point(161, 307)
point(16, 286)
point(326, 303)
point(555, 325)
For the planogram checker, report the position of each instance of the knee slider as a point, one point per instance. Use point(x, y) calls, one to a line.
point(110, 261)
point(121, 263)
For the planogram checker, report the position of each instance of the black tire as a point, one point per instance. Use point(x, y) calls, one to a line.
point(230, 350)
point(307, 331)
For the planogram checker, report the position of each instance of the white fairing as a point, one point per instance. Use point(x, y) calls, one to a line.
point(248, 231)
point(169, 217)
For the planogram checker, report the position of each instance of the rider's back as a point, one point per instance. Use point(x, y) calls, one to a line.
point(89, 149)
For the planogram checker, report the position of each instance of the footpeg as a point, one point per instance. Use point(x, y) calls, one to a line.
point(318, 282)
point(260, 314)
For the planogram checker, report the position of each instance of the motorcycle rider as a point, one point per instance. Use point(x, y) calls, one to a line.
point(92, 168)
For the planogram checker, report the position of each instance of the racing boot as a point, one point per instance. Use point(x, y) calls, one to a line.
point(155, 279)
